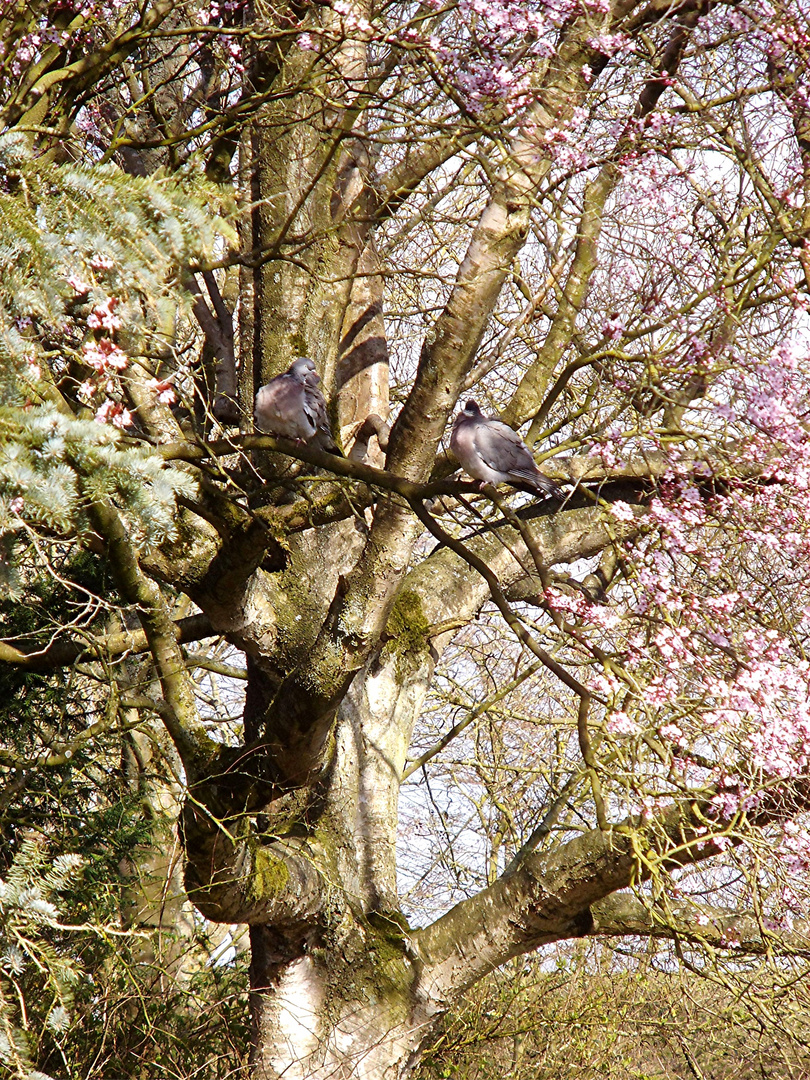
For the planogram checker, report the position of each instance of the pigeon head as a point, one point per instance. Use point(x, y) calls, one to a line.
point(471, 409)
point(304, 368)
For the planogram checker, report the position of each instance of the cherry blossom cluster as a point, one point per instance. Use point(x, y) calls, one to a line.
point(107, 360)
point(216, 10)
point(702, 657)
point(85, 31)
point(102, 354)
point(491, 54)
point(794, 849)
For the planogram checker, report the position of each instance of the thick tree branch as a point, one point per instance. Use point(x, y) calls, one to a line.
point(420, 161)
point(239, 881)
point(652, 465)
point(181, 719)
point(548, 897)
point(624, 914)
point(500, 601)
point(499, 235)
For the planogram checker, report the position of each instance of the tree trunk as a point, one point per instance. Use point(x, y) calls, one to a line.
point(295, 832)
point(343, 997)
point(339, 645)
point(362, 1019)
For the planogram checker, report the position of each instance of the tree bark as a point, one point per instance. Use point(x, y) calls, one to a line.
point(296, 835)
point(294, 832)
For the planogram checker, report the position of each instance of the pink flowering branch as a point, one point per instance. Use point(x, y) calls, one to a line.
point(37, 95)
point(528, 399)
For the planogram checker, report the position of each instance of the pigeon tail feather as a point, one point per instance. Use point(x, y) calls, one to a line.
point(542, 485)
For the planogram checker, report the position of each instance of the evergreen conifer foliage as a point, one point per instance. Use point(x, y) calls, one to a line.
point(90, 262)
point(29, 908)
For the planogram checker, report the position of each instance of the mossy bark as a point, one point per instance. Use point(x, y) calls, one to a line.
point(295, 833)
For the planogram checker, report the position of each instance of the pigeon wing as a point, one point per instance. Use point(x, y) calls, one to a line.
point(315, 407)
point(502, 449)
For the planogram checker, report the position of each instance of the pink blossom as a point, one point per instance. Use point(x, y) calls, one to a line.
point(103, 316)
point(604, 683)
point(613, 328)
point(234, 50)
point(622, 511)
point(609, 44)
point(794, 849)
point(111, 412)
point(725, 805)
point(723, 604)
point(207, 15)
point(104, 355)
point(163, 390)
point(79, 285)
point(672, 733)
point(619, 723)
point(599, 615)
point(352, 20)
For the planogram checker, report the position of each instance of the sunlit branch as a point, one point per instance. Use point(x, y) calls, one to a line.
point(703, 925)
point(181, 719)
point(499, 599)
point(127, 642)
point(479, 710)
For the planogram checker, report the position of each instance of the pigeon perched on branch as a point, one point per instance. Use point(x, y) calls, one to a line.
point(292, 406)
point(493, 453)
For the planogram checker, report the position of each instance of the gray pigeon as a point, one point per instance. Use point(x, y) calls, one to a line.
point(492, 452)
point(292, 406)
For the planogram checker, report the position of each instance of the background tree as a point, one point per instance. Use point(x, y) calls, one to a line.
point(592, 216)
